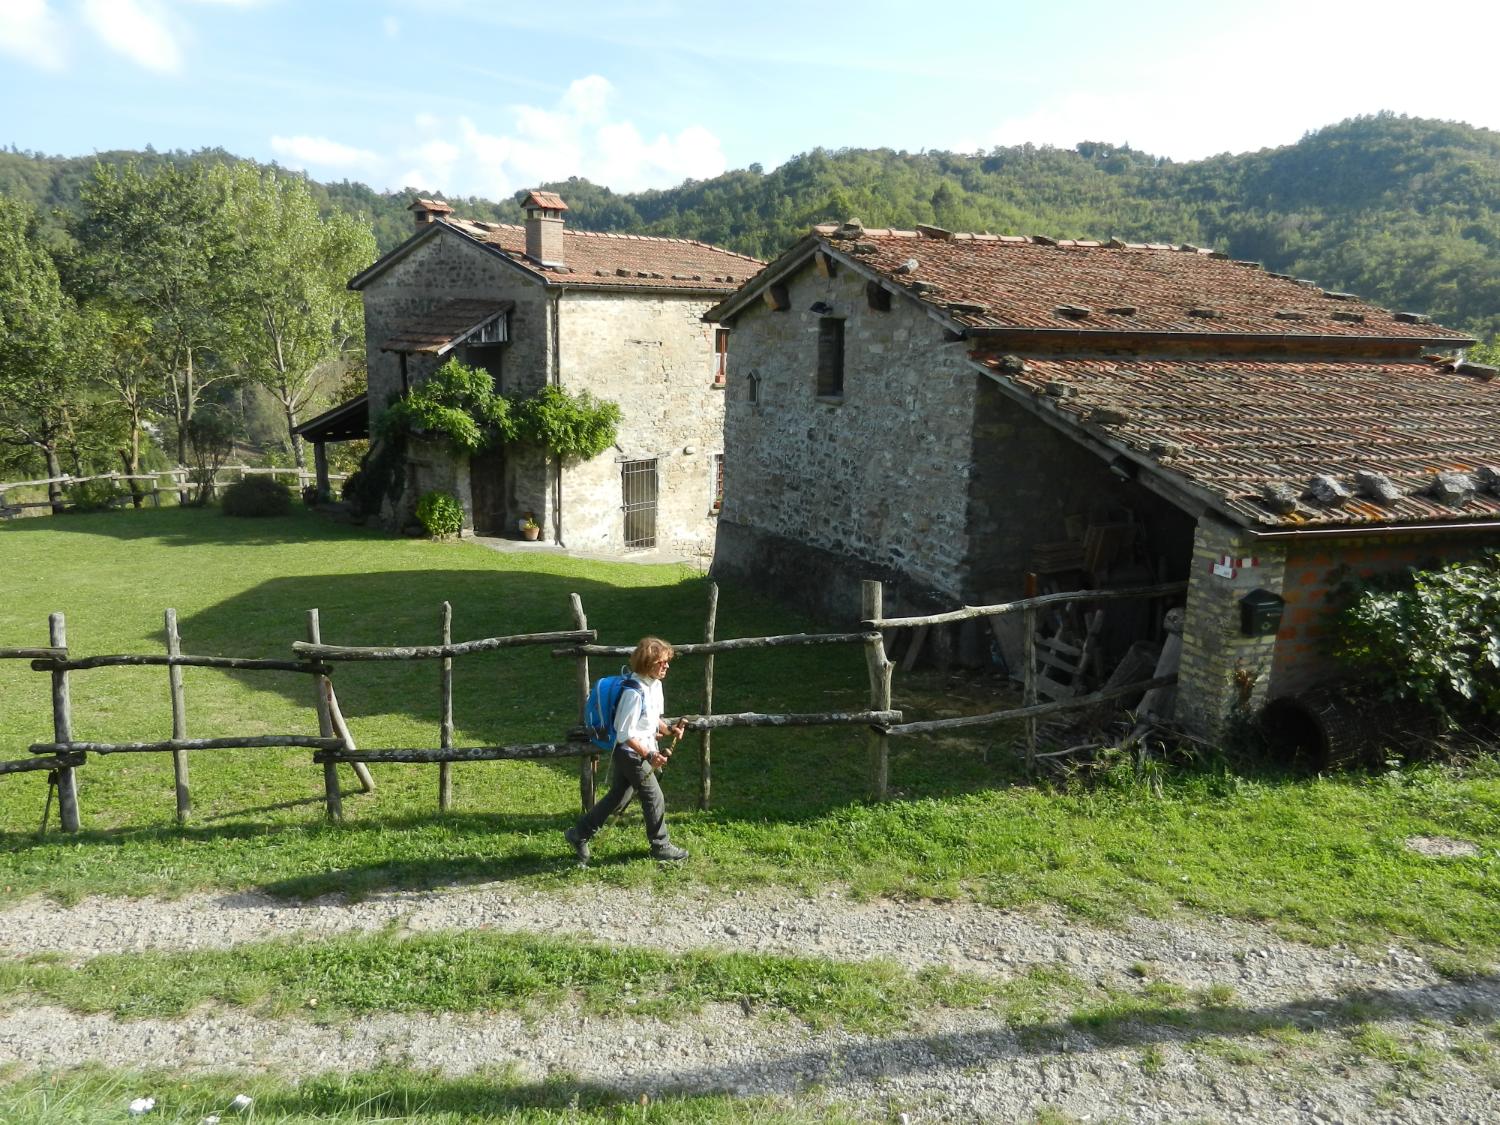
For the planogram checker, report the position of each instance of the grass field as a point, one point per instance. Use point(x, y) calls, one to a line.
point(1321, 858)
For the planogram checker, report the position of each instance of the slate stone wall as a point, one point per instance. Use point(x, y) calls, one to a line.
point(876, 482)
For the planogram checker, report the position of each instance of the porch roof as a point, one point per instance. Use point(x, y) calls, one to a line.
point(439, 330)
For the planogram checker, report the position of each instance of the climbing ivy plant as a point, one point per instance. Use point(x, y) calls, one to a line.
point(569, 427)
point(458, 407)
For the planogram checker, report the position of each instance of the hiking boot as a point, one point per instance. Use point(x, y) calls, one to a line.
point(579, 844)
point(669, 852)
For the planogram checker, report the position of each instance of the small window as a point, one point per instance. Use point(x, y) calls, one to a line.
point(716, 498)
point(752, 389)
point(721, 356)
point(830, 358)
point(877, 296)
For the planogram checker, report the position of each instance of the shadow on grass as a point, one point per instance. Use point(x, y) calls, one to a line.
point(198, 527)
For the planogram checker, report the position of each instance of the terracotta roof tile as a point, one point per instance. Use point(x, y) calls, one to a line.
point(433, 331)
point(1022, 282)
point(630, 260)
point(1235, 427)
point(549, 200)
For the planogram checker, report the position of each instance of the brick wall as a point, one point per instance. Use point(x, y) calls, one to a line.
point(1223, 670)
point(1315, 566)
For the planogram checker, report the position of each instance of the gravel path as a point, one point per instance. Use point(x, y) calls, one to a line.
point(949, 1065)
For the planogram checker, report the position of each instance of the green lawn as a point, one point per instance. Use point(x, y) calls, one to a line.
point(1322, 858)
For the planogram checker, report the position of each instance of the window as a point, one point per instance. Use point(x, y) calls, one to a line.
point(716, 499)
point(830, 358)
point(721, 357)
point(752, 389)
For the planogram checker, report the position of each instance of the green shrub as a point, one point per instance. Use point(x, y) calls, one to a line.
point(1430, 636)
point(257, 496)
point(568, 426)
point(92, 495)
point(440, 514)
point(456, 405)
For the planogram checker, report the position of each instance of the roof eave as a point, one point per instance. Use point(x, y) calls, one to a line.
point(994, 332)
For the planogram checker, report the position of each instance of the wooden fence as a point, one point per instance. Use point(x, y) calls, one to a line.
point(334, 743)
point(178, 480)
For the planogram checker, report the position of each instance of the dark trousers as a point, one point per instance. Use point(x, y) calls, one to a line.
point(628, 777)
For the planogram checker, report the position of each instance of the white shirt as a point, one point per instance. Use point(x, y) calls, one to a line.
point(639, 714)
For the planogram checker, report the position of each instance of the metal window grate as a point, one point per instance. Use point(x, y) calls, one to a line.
point(639, 484)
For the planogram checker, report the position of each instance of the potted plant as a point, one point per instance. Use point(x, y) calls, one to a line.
point(529, 527)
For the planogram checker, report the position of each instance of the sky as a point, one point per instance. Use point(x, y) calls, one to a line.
point(485, 97)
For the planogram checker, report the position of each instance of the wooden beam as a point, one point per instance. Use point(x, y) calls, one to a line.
point(437, 652)
point(1031, 712)
point(1163, 589)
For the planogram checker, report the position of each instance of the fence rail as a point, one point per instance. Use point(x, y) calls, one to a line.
point(177, 479)
point(334, 744)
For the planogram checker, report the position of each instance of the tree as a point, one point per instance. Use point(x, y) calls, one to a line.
point(39, 390)
point(293, 313)
point(162, 245)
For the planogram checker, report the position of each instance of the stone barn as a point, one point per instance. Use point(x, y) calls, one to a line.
point(617, 315)
point(968, 416)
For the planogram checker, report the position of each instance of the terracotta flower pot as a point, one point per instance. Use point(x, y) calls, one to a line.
point(531, 532)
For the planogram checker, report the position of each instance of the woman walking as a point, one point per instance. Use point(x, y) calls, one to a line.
point(636, 755)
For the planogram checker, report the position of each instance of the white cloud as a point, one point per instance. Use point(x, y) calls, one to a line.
point(137, 29)
point(31, 32)
point(319, 152)
point(579, 135)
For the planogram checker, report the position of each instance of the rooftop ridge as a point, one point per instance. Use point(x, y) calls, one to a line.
point(825, 229)
point(485, 224)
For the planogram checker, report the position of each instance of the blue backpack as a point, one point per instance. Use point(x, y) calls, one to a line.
point(603, 703)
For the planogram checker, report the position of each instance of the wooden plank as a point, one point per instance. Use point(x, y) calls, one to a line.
point(26, 765)
point(737, 644)
point(249, 742)
point(1028, 712)
point(437, 652)
point(158, 660)
point(586, 765)
point(332, 798)
point(1029, 685)
point(1052, 644)
point(914, 650)
point(705, 747)
point(877, 745)
point(62, 727)
point(179, 719)
point(49, 654)
point(1161, 590)
point(533, 752)
point(445, 723)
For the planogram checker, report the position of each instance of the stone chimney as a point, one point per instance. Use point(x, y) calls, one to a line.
point(428, 210)
point(544, 227)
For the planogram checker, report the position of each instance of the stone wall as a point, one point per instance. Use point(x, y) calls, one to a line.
point(652, 354)
point(878, 479)
point(443, 268)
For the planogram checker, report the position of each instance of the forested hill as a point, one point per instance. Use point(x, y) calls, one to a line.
point(1402, 210)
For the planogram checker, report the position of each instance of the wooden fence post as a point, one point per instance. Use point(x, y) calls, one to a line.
point(445, 730)
point(62, 728)
point(331, 794)
point(705, 753)
point(587, 762)
point(879, 666)
point(1028, 693)
point(179, 720)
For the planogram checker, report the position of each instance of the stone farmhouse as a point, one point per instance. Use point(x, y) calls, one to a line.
point(619, 316)
point(960, 415)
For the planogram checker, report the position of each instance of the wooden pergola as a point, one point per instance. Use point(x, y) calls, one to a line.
point(348, 421)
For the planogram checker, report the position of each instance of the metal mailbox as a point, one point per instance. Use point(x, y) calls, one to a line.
point(1260, 613)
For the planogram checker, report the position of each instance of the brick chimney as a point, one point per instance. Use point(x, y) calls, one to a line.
point(428, 210)
point(544, 227)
